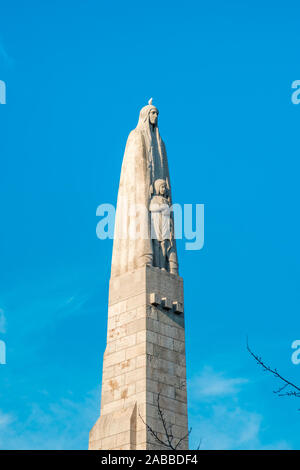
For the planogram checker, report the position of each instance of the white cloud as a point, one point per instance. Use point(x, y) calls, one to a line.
point(57, 298)
point(218, 419)
point(5, 420)
point(228, 428)
point(210, 384)
point(62, 425)
point(2, 321)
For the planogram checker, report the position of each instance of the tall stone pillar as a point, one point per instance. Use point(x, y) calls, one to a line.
point(144, 369)
point(144, 359)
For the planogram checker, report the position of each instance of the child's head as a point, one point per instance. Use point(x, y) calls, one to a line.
point(160, 187)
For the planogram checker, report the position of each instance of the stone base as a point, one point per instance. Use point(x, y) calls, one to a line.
point(115, 431)
point(144, 359)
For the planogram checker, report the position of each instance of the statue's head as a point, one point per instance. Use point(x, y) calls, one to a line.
point(160, 187)
point(148, 115)
point(153, 116)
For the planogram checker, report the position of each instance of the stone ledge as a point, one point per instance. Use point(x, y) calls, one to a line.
point(166, 303)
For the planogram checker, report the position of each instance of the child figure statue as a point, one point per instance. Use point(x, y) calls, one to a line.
point(162, 229)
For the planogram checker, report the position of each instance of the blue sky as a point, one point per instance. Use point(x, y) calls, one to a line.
point(77, 74)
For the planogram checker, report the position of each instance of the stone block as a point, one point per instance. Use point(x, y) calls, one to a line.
point(166, 303)
point(177, 307)
point(155, 299)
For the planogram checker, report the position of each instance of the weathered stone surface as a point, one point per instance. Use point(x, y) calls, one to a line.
point(144, 358)
point(145, 353)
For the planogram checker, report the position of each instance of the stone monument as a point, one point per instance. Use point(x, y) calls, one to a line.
point(144, 361)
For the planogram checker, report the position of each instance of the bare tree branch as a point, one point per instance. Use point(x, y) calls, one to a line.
point(154, 434)
point(200, 444)
point(184, 437)
point(293, 390)
point(167, 430)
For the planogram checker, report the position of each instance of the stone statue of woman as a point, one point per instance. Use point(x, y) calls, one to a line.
point(144, 162)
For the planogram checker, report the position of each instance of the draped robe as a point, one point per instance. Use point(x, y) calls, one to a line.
point(144, 161)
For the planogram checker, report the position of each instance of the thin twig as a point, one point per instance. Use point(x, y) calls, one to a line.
point(154, 434)
point(168, 432)
point(167, 429)
point(183, 438)
point(287, 383)
point(200, 443)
